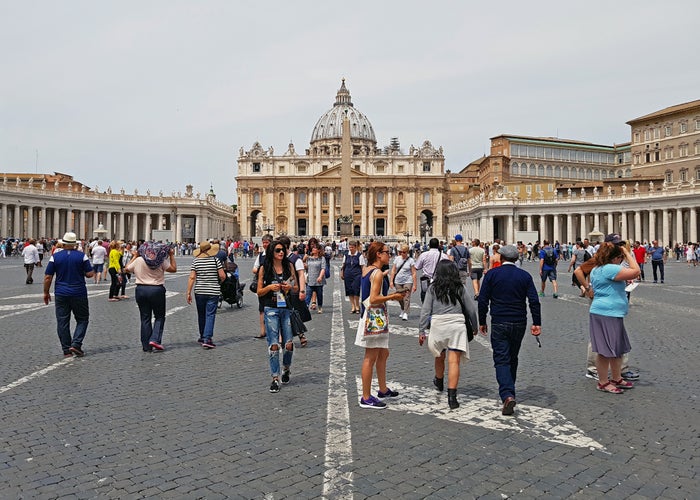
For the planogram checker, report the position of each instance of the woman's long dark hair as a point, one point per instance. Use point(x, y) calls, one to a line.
point(447, 285)
point(269, 264)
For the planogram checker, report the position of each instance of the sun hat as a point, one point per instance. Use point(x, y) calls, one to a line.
point(207, 249)
point(69, 238)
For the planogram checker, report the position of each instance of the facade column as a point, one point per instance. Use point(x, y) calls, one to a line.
point(679, 226)
point(693, 221)
point(529, 223)
point(570, 227)
point(42, 223)
point(149, 227)
point(134, 221)
point(198, 230)
point(319, 212)
point(665, 227)
point(652, 225)
point(363, 211)
point(108, 225)
point(582, 226)
point(30, 222)
point(637, 225)
point(122, 233)
point(95, 219)
point(555, 229)
point(69, 220)
point(83, 224)
point(56, 223)
point(370, 211)
point(3, 219)
point(611, 223)
point(542, 226)
point(269, 210)
point(310, 213)
point(510, 230)
point(623, 225)
point(411, 208)
point(292, 220)
point(178, 227)
point(596, 221)
point(390, 212)
point(331, 213)
point(18, 222)
point(485, 230)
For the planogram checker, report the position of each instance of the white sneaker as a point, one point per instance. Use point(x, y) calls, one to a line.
point(404, 316)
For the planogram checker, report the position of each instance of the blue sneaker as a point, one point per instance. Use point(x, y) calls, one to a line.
point(372, 403)
point(630, 375)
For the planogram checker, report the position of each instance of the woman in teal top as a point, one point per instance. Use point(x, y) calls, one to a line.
point(608, 309)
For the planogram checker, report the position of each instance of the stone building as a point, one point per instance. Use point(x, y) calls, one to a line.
point(564, 189)
point(343, 176)
point(48, 205)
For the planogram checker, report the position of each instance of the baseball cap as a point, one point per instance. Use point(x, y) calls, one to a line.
point(458, 237)
point(613, 238)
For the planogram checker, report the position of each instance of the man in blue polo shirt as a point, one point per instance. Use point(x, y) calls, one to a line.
point(504, 291)
point(658, 259)
point(71, 267)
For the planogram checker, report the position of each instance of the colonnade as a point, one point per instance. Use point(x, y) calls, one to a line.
point(670, 218)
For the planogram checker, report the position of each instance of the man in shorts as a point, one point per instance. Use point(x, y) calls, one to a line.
point(477, 264)
point(549, 257)
point(98, 260)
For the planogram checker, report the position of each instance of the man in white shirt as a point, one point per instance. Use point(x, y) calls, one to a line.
point(98, 255)
point(428, 262)
point(31, 257)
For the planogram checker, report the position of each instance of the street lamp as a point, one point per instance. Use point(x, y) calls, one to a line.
point(408, 234)
point(269, 228)
point(425, 229)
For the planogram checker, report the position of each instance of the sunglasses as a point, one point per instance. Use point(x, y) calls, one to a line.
point(279, 250)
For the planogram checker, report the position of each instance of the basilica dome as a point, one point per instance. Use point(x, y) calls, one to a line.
point(330, 125)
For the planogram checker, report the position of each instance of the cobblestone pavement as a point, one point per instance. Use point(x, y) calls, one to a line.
point(191, 423)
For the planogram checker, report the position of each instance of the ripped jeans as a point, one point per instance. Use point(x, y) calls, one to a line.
point(276, 322)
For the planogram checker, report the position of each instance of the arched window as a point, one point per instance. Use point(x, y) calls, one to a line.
point(540, 170)
point(557, 171)
point(514, 169)
point(400, 197)
point(589, 174)
point(565, 172)
point(548, 171)
point(596, 174)
point(581, 173)
point(256, 197)
point(523, 169)
point(281, 199)
point(533, 170)
point(426, 198)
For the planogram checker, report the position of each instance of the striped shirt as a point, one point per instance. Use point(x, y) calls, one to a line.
point(207, 271)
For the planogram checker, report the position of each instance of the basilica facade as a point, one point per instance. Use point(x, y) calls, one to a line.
point(343, 184)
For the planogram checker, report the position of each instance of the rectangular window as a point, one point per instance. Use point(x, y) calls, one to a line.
point(668, 130)
point(426, 166)
point(669, 176)
point(683, 127)
point(683, 150)
point(697, 175)
point(697, 124)
point(657, 132)
point(301, 169)
point(256, 167)
point(380, 169)
point(516, 188)
point(528, 189)
point(550, 188)
point(281, 169)
point(668, 153)
point(684, 175)
point(401, 169)
point(647, 135)
point(656, 155)
point(556, 154)
point(324, 168)
point(636, 137)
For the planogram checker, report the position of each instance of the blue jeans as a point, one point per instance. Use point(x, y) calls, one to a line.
point(319, 295)
point(276, 322)
point(206, 314)
point(151, 302)
point(505, 341)
point(80, 309)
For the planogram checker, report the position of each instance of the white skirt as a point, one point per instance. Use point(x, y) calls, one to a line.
point(448, 331)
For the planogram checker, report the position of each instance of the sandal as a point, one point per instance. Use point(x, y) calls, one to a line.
point(609, 387)
point(302, 339)
point(313, 305)
point(622, 384)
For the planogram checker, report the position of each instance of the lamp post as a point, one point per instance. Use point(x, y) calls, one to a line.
point(408, 234)
point(269, 228)
point(425, 229)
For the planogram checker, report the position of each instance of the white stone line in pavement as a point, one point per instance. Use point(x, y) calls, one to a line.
point(531, 421)
point(49, 368)
point(34, 375)
point(337, 482)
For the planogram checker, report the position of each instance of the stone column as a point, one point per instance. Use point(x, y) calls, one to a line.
point(292, 222)
point(582, 226)
point(108, 225)
point(693, 220)
point(363, 211)
point(623, 225)
point(18, 222)
point(555, 223)
point(30, 222)
point(122, 232)
point(331, 213)
point(611, 223)
point(411, 208)
point(319, 212)
point(83, 229)
point(665, 236)
point(390, 212)
point(680, 238)
point(510, 234)
point(596, 221)
point(3, 219)
point(198, 230)
point(178, 227)
point(485, 229)
point(95, 220)
point(149, 227)
point(56, 223)
point(310, 213)
point(652, 225)
point(370, 211)
point(570, 227)
point(529, 223)
point(42, 223)
point(542, 228)
point(637, 225)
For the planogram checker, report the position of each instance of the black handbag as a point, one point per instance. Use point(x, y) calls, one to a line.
point(467, 321)
point(298, 325)
point(253, 286)
point(300, 307)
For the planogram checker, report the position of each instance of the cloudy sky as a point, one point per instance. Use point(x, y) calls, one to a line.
point(160, 94)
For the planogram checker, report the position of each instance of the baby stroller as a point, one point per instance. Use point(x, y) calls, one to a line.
point(231, 288)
